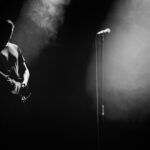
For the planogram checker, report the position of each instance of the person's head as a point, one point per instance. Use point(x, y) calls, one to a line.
point(6, 30)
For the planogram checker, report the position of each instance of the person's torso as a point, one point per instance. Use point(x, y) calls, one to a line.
point(9, 60)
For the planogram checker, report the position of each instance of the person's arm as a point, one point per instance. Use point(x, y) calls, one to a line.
point(26, 75)
point(25, 78)
point(23, 69)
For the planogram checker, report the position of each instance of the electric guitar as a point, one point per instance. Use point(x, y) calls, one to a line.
point(24, 92)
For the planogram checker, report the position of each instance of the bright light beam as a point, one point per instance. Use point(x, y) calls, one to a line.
point(38, 25)
point(126, 62)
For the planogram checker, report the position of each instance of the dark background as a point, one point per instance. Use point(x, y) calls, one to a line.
point(60, 112)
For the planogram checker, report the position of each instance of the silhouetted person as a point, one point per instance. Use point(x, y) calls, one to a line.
point(14, 77)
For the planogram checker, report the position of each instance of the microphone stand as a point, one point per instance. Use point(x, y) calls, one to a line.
point(101, 90)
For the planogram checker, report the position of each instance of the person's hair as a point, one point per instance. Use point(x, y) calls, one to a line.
point(6, 30)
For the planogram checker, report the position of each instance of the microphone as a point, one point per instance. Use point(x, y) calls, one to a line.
point(102, 32)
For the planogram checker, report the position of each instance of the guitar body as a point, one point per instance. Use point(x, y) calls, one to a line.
point(24, 92)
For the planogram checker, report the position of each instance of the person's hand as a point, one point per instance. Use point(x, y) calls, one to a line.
point(23, 85)
point(16, 86)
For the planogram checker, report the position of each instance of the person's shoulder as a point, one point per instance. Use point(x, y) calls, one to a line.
point(12, 48)
point(12, 45)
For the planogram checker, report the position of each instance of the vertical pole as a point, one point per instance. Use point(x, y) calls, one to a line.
point(97, 92)
point(99, 114)
point(101, 87)
point(102, 100)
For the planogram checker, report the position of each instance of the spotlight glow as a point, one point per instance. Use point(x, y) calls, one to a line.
point(126, 62)
point(38, 25)
point(47, 14)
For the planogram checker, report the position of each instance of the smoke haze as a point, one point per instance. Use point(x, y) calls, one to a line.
point(126, 62)
point(38, 25)
point(47, 14)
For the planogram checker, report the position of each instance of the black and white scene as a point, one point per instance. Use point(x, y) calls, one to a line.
point(75, 74)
